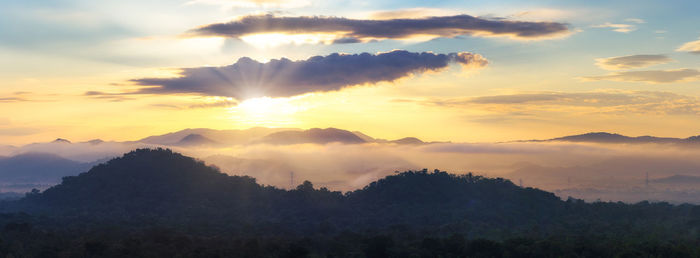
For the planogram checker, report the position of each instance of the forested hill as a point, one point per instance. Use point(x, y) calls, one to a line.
point(159, 187)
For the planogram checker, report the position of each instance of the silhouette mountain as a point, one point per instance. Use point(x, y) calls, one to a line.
point(162, 183)
point(158, 187)
point(153, 182)
point(314, 135)
point(61, 140)
point(196, 140)
point(38, 168)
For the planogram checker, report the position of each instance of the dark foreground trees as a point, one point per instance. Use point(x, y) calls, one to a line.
point(156, 242)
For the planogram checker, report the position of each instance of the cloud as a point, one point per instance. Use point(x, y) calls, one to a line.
point(112, 97)
point(229, 4)
point(617, 27)
point(248, 78)
point(653, 76)
point(365, 30)
point(527, 105)
point(636, 20)
point(692, 47)
point(215, 104)
point(11, 99)
point(409, 13)
point(631, 62)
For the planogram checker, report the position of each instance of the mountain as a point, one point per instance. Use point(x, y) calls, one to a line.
point(365, 137)
point(148, 186)
point(314, 135)
point(678, 179)
point(148, 183)
point(163, 184)
point(196, 140)
point(211, 137)
point(405, 140)
point(61, 140)
point(38, 168)
point(228, 137)
point(408, 140)
point(157, 203)
point(603, 137)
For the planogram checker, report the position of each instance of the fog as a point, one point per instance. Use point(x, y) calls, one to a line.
point(607, 172)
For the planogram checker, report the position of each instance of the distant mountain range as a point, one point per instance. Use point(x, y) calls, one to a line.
point(203, 137)
point(38, 168)
point(603, 137)
point(211, 136)
point(275, 136)
point(678, 179)
point(34, 163)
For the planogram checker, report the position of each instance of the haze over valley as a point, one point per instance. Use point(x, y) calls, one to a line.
point(593, 166)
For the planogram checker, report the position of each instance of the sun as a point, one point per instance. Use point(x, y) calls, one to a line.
point(267, 112)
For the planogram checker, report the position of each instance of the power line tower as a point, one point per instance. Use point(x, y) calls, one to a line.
point(521, 182)
point(646, 181)
point(291, 179)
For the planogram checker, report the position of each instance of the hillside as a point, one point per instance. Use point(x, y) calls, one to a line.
point(159, 186)
point(158, 203)
point(145, 183)
point(162, 183)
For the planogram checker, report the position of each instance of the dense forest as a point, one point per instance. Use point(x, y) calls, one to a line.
point(156, 203)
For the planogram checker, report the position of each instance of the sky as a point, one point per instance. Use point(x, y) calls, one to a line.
point(463, 71)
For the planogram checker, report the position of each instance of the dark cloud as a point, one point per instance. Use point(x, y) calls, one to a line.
point(347, 41)
point(631, 62)
point(653, 76)
point(248, 78)
point(361, 30)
